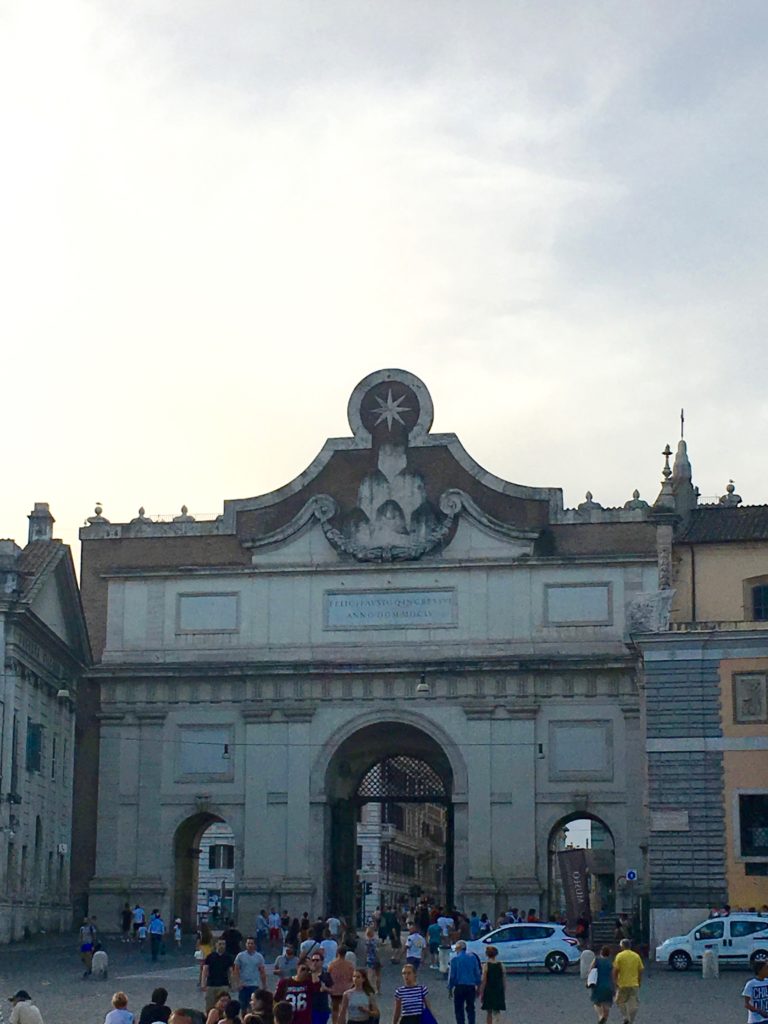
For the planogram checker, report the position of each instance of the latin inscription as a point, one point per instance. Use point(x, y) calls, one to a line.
point(390, 609)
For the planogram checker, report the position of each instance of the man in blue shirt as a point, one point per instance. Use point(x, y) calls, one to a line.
point(464, 978)
point(156, 933)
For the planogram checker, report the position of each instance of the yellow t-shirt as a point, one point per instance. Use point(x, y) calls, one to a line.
point(629, 967)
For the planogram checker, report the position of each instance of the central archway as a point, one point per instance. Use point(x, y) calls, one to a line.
point(389, 788)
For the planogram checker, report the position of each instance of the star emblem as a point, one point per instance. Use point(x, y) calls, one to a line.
point(390, 410)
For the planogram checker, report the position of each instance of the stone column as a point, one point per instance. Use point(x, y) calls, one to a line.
point(477, 886)
point(513, 808)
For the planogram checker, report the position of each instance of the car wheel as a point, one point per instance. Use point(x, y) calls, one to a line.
point(556, 963)
point(679, 960)
point(758, 957)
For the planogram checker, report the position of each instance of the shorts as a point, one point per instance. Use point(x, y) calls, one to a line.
point(414, 961)
point(434, 947)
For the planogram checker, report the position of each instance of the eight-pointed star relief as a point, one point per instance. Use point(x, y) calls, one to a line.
point(390, 410)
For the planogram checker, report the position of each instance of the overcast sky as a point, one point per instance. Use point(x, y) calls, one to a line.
point(217, 217)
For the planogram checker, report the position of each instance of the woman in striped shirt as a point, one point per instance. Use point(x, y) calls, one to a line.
point(410, 999)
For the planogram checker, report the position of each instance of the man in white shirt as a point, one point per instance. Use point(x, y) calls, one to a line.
point(275, 932)
point(446, 927)
point(334, 927)
point(415, 945)
point(329, 947)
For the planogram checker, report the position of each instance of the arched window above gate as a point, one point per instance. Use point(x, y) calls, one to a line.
point(402, 778)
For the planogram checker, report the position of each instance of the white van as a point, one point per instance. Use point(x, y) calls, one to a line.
point(737, 939)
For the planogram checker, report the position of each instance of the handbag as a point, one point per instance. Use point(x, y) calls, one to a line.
point(427, 1017)
point(592, 977)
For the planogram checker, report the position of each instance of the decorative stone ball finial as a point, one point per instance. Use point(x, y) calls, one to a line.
point(730, 498)
point(184, 517)
point(97, 517)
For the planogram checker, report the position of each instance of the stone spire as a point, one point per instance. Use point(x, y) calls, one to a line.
point(685, 494)
point(40, 522)
point(666, 499)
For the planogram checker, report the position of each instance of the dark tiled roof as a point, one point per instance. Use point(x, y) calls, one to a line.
point(716, 524)
point(34, 560)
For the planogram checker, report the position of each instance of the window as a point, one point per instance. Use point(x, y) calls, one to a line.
point(710, 930)
point(750, 698)
point(34, 747)
point(53, 758)
point(221, 857)
point(15, 755)
point(758, 867)
point(502, 935)
point(741, 928)
point(760, 603)
point(753, 824)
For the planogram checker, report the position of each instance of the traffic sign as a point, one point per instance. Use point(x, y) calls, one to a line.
point(631, 875)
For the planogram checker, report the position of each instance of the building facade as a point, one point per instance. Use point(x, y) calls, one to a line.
point(395, 600)
point(706, 711)
point(43, 654)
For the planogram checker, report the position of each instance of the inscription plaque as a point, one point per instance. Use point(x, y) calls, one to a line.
point(389, 609)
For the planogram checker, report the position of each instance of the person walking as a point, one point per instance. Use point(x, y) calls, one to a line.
point(342, 972)
point(463, 981)
point(323, 985)
point(24, 1010)
point(217, 973)
point(249, 971)
point(297, 992)
point(756, 994)
point(372, 961)
point(627, 976)
point(156, 933)
point(415, 945)
point(126, 919)
point(285, 965)
point(359, 1004)
point(493, 987)
point(410, 999)
point(139, 918)
point(600, 984)
point(87, 936)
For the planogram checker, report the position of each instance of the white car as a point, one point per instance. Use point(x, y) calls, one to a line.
point(737, 939)
point(529, 945)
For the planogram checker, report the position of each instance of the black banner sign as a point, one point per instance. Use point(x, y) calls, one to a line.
point(573, 871)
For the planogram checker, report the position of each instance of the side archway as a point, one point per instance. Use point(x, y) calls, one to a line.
point(583, 831)
point(187, 848)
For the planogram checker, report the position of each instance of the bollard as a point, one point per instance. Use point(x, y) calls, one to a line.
point(710, 967)
point(586, 963)
point(444, 957)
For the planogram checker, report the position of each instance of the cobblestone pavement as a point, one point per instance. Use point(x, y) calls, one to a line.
point(49, 969)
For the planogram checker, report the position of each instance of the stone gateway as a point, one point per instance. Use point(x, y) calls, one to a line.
point(395, 629)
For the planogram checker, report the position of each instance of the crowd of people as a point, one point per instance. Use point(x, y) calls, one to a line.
point(327, 971)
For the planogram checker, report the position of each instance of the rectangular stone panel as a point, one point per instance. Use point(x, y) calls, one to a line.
point(578, 604)
point(580, 751)
point(204, 751)
point(207, 613)
point(750, 698)
point(389, 609)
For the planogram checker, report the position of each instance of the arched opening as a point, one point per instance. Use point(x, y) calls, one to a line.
point(587, 833)
point(204, 859)
point(391, 836)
